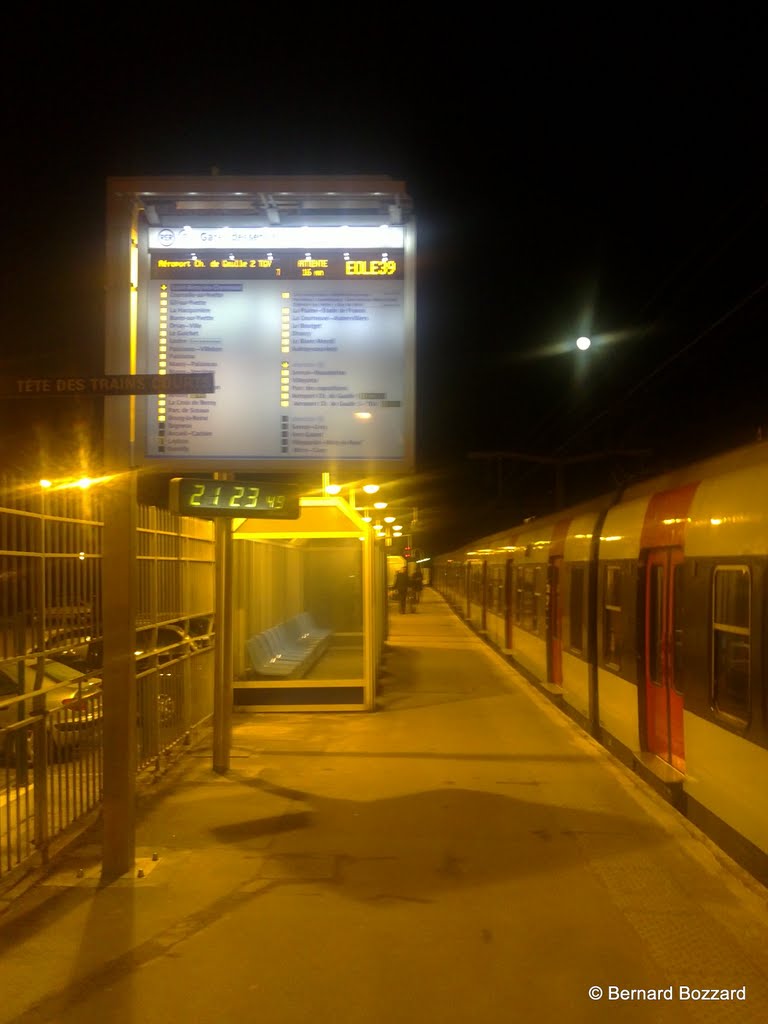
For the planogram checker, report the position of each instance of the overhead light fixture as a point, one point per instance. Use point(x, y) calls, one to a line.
point(213, 204)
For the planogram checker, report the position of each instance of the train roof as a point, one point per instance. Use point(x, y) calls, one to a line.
point(748, 455)
point(744, 457)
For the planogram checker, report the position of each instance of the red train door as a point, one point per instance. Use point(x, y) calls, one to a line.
point(663, 700)
point(555, 623)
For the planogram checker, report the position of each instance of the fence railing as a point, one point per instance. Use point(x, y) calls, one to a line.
point(51, 747)
point(52, 757)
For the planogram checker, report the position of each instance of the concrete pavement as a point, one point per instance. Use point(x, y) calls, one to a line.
point(464, 854)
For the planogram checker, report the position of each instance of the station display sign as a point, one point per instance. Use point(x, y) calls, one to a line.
point(308, 332)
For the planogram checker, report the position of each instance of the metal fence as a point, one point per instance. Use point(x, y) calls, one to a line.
point(51, 650)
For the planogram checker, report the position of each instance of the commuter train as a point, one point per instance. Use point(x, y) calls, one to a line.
point(643, 614)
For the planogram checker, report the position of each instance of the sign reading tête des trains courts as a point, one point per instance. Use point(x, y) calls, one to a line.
point(112, 384)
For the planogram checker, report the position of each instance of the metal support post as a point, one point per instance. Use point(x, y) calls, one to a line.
point(223, 663)
point(119, 604)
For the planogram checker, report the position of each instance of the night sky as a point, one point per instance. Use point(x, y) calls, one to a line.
point(567, 178)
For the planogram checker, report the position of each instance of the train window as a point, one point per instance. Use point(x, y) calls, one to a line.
point(539, 598)
point(612, 632)
point(677, 632)
point(476, 583)
point(655, 625)
point(576, 609)
point(554, 600)
point(496, 588)
point(731, 640)
point(527, 594)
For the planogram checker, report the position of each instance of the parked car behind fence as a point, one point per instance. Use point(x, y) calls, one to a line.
point(72, 702)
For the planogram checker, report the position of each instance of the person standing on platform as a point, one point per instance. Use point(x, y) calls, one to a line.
point(417, 582)
point(401, 588)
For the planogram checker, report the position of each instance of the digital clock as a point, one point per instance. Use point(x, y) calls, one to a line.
point(248, 498)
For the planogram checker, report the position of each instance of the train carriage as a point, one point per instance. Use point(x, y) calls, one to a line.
point(643, 614)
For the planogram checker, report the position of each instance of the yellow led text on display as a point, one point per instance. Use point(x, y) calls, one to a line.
point(312, 268)
point(338, 266)
point(370, 268)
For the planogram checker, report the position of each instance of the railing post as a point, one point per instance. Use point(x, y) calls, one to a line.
point(40, 776)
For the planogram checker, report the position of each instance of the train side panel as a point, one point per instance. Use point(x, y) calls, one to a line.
point(528, 612)
point(475, 604)
point(724, 675)
point(726, 777)
point(615, 613)
point(497, 597)
point(576, 583)
point(647, 617)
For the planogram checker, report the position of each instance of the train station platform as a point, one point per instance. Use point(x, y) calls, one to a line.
point(463, 855)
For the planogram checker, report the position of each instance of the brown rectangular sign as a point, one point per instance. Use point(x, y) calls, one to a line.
point(112, 384)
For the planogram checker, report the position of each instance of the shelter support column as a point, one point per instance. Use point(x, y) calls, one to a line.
point(223, 663)
point(119, 603)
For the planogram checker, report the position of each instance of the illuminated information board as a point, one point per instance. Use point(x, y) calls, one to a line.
point(306, 331)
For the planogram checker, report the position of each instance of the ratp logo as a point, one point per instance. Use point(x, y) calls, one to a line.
point(166, 236)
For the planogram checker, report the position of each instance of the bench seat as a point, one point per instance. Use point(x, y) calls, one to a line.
point(288, 650)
